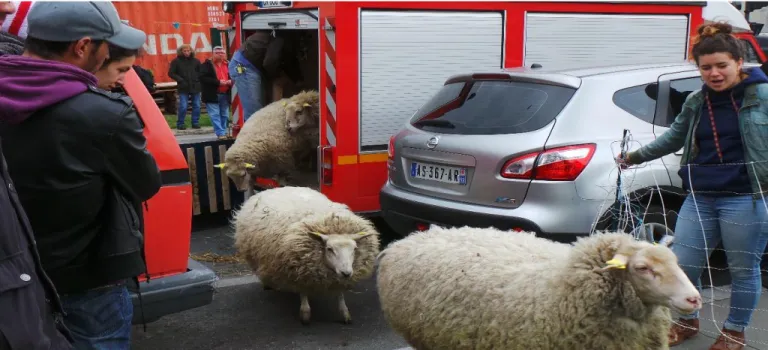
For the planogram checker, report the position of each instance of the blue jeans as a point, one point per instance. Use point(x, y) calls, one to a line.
point(100, 319)
point(182, 112)
point(737, 221)
point(248, 84)
point(219, 113)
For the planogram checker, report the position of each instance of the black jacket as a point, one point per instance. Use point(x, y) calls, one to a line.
point(210, 82)
point(82, 175)
point(186, 72)
point(30, 316)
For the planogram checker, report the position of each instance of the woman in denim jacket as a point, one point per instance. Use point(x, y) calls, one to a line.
point(723, 130)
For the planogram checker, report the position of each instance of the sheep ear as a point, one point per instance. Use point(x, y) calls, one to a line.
point(619, 261)
point(318, 236)
point(361, 235)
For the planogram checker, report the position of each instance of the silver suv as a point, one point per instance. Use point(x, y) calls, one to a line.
point(533, 149)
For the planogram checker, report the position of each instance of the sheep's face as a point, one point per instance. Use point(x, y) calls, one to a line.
point(237, 171)
point(299, 116)
point(339, 251)
point(657, 279)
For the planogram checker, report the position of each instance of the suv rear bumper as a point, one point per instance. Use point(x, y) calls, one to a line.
point(403, 215)
point(171, 294)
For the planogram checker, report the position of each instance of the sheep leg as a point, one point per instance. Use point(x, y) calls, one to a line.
point(343, 309)
point(305, 310)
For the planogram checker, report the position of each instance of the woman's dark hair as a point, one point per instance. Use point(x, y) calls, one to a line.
point(117, 53)
point(717, 38)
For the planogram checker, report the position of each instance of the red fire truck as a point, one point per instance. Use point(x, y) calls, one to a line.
point(375, 63)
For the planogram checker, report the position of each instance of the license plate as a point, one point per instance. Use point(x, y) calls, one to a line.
point(446, 174)
point(273, 4)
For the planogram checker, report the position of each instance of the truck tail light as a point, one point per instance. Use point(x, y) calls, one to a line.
point(326, 171)
point(557, 164)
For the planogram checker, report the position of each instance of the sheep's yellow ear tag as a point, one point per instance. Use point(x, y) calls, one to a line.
point(220, 165)
point(306, 104)
point(361, 233)
point(249, 165)
point(615, 264)
point(285, 103)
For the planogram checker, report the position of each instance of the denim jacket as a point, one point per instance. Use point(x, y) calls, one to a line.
point(753, 123)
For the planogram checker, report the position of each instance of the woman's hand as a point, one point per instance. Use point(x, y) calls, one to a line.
point(623, 161)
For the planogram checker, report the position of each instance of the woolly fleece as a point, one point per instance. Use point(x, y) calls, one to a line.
point(464, 288)
point(271, 234)
point(265, 142)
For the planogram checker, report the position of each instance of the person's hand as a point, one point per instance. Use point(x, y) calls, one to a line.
point(623, 162)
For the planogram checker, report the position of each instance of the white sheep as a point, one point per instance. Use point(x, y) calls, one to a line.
point(465, 288)
point(275, 140)
point(297, 240)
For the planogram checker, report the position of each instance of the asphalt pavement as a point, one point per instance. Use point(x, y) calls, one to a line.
point(245, 317)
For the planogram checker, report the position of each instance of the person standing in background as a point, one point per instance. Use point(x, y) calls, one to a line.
point(252, 66)
point(216, 87)
point(185, 70)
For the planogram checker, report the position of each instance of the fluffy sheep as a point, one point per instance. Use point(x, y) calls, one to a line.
point(464, 288)
point(275, 140)
point(297, 240)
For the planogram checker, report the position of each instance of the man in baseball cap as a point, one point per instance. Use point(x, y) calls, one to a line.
point(79, 164)
point(73, 20)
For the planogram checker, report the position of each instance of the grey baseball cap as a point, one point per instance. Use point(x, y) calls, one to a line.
point(74, 20)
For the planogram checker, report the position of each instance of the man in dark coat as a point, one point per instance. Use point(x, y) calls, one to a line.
point(31, 308)
point(185, 70)
point(80, 168)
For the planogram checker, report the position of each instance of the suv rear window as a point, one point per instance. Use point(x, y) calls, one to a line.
point(490, 107)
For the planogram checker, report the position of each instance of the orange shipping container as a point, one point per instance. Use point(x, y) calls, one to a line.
point(170, 24)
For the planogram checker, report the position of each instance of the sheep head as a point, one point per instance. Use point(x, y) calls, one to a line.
point(302, 111)
point(653, 272)
point(339, 250)
point(338, 235)
point(237, 170)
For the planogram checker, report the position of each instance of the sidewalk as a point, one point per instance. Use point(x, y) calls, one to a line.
point(757, 334)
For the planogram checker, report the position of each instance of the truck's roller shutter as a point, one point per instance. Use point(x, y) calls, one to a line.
point(405, 58)
point(577, 40)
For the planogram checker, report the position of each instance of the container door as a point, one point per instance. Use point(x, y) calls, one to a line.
point(577, 40)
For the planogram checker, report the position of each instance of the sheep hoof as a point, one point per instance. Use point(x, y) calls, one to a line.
point(305, 318)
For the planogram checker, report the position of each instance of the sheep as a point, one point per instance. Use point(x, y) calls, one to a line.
point(297, 240)
point(273, 139)
point(464, 288)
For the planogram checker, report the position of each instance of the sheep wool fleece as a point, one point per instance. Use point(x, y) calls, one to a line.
point(465, 288)
point(265, 142)
point(271, 233)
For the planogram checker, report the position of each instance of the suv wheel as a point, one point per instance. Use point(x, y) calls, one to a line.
point(653, 229)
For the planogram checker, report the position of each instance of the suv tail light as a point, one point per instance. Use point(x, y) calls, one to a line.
point(557, 164)
point(391, 153)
